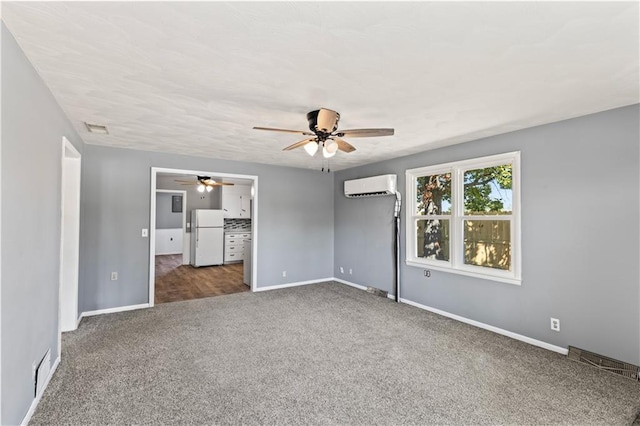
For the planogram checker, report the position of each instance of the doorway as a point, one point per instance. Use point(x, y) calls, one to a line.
point(175, 276)
point(69, 237)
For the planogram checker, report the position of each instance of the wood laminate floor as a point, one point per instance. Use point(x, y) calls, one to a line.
point(175, 281)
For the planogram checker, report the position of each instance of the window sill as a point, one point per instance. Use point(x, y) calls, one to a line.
point(507, 280)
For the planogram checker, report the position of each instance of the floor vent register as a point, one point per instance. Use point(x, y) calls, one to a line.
point(377, 292)
point(604, 363)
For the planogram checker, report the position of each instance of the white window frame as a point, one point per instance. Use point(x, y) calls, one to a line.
point(456, 264)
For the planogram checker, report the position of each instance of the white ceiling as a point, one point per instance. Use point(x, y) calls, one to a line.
point(193, 78)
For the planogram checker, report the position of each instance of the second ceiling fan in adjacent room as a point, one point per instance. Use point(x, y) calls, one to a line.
point(205, 183)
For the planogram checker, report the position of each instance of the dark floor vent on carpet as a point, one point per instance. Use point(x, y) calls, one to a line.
point(377, 291)
point(605, 363)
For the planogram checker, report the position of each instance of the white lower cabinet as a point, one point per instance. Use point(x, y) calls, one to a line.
point(233, 257)
point(234, 247)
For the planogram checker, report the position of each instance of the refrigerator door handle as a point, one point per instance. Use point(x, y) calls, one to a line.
point(197, 236)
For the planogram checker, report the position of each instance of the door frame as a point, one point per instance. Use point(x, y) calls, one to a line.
point(152, 222)
point(69, 152)
point(185, 246)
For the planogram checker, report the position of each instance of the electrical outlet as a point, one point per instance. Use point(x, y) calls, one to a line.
point(350, 271)
point(341, 270)
point(284, 273)
point(427, 273)
point(114, 276)
point(555, 324)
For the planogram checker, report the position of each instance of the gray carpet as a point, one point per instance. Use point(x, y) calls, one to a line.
point(318, 354)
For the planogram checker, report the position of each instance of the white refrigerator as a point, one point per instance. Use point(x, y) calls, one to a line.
point(207, 237)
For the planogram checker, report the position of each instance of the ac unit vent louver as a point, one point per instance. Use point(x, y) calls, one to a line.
point(605, 363)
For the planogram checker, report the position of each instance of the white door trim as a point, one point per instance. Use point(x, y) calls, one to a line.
point(152, 222)
point(185, 246)
point(69, 152)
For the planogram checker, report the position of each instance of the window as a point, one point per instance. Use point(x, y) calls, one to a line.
point(464, 217)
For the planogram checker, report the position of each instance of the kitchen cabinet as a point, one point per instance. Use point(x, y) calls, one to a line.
point(231, 205)
point(234, 246)
point(247, 267)
point(236, 202)
point(245, 206)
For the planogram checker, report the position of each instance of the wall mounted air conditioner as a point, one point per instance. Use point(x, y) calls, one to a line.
point(374, 186)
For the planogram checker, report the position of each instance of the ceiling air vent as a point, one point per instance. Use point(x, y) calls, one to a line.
point(97, 128)
point(604, 363)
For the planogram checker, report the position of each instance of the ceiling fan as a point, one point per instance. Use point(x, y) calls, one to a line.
point(324, 133)
point(205, 183)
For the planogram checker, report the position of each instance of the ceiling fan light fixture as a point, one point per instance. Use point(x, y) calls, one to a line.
point(209, 188)
point(311, 148)
point(331, 147)
point(326, 153)
point(200, 188)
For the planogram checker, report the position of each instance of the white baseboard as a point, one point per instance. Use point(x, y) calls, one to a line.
point(36, 400)
point(529, 340)
point(113, 310)
point(296, 284)
point(358, 286)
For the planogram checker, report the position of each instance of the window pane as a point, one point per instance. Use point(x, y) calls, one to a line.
point(433, 239)
point(433, 194)
point(488, 243)
point(488, 191)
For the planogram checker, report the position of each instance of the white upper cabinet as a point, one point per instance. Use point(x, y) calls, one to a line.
point(236, 202)
point(245, 206)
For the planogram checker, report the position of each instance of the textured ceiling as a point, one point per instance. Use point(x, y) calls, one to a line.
point(193, 78)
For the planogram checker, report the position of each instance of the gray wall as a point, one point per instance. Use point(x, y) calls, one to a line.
point(580, 236)
point(32, 128)
point(295, 222)
point(195, 199)
point(165, 217)
point(579, 229)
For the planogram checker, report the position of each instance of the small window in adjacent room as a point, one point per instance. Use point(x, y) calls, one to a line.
point(464, 217)
point(176, 204)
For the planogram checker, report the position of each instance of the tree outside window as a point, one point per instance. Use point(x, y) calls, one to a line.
point(464, 215)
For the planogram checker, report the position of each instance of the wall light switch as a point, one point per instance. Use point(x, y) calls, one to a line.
point(114, 276)
point(145, 232)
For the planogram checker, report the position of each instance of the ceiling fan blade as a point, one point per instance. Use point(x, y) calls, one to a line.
point(344, 145)
point(299, 144)
point(219, 184)
point(365, 133)
point(271, 129)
